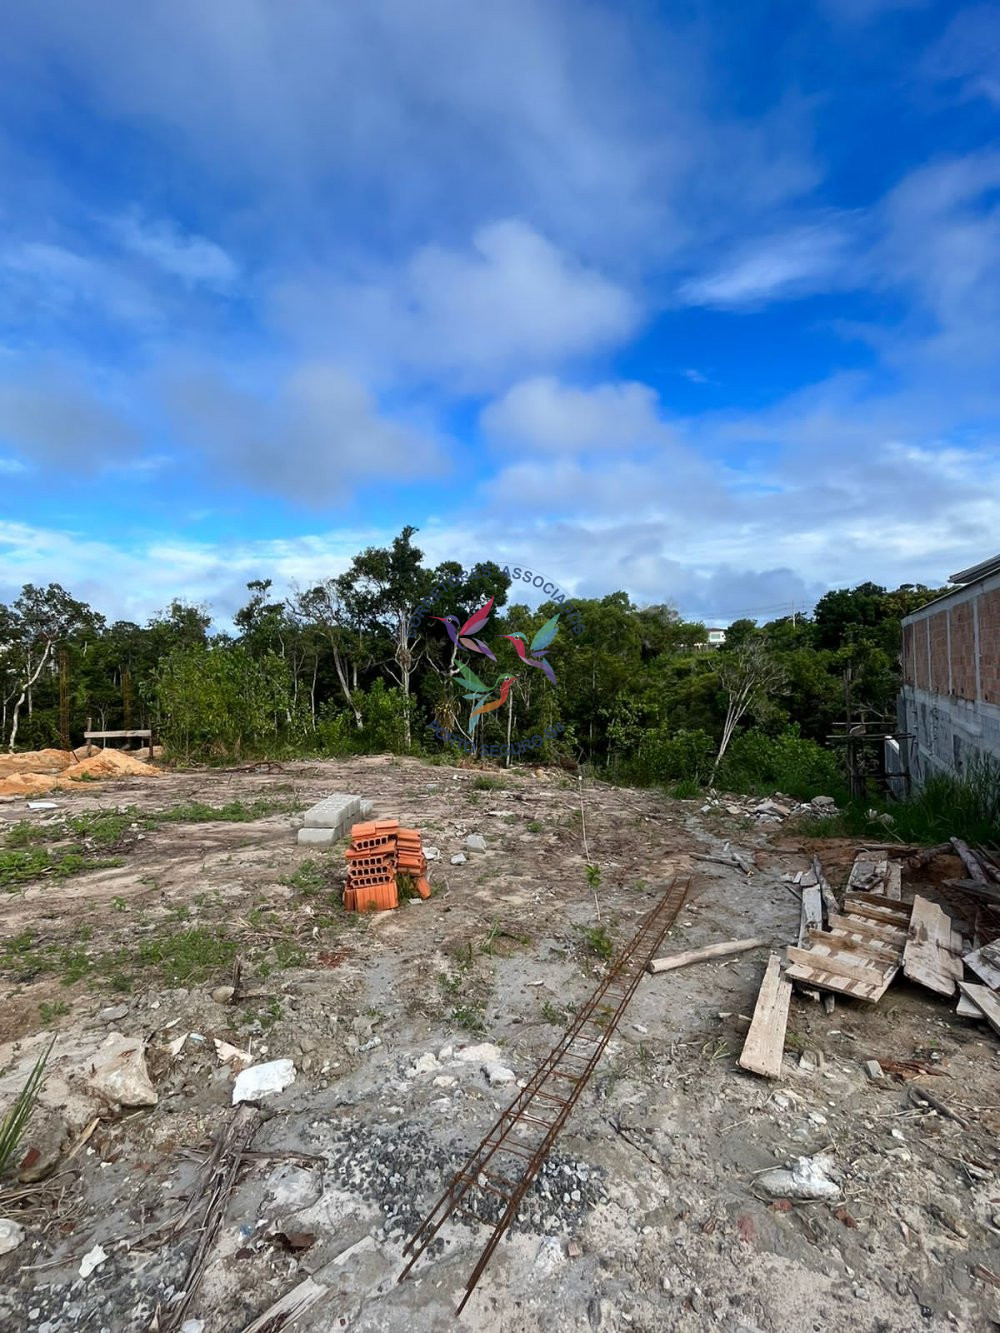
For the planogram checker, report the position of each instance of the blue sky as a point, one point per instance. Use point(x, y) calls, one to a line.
point(697, 300)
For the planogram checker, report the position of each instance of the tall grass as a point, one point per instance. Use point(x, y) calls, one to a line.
point(946, 806)
point(15, 1122)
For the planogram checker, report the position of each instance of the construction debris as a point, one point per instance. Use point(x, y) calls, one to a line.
point(985, 1001)
point(765, 1042)
point(253, 1083)
point(806, 1178)
point(328, 820)
point(933, 952)
point(514, 1150)
point(861, 952)
point(381, 851)
point(985, 962)
point(676, 960)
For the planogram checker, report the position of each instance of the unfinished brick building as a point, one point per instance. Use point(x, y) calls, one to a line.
point(950, 700)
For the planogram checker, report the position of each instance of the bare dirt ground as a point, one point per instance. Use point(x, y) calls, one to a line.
point(648, 1215)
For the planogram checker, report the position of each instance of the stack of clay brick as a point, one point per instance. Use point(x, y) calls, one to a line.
point(379, 851)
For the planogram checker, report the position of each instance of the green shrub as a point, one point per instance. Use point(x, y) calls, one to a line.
point(383, 723)
point(681, 756)
point(756, 763)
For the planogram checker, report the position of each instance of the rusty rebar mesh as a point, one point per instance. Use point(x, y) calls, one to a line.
point(499, 1173)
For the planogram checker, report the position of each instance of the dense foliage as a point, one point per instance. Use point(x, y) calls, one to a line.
point(335, 669)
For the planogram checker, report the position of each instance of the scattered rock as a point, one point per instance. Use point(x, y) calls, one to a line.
point(113, 1013)
point(807, 1178)
point(458, 859)
point(498, 1074)
point(823, 802)
point(120, 1075)
point(475, 842)
point(259, 1080)
point(223, 994)
point(426, 1064)
point(549, 1255)
point(432, 853)
point(873, 1069)
point(483, 1054)
point(445, 1081)
point(11, 1235)
point(91, 1260)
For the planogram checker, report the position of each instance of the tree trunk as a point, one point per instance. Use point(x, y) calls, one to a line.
point(25, 693)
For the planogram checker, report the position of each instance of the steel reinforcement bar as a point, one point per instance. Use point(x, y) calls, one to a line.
point(512, 1152)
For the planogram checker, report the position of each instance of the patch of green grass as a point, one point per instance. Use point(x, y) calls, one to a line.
point(23, 867)
point(593, 874)
point(554, 1013)
point(311, 877)
point(471, 1017)
point(26, 834)
point(685, 790)
point(15, 1122)
point(487, 784)
point(534, 826)
point(188, 955)
point(104, 828)
point(48, 1012)
point(235, 812)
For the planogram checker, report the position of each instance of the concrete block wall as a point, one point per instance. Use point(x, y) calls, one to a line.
point(950, 699)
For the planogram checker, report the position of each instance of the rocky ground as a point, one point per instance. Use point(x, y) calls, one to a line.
point(408, 1032)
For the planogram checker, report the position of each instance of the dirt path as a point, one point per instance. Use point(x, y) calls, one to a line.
point(647, 1216)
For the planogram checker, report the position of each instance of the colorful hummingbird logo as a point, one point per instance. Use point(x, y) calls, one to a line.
point(478, 693)
point(463, 636)
point(539, 646)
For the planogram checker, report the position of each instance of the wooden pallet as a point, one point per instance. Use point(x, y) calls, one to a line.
point(861, 953)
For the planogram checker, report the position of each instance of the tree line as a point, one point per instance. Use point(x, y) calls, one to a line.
point(349, 666)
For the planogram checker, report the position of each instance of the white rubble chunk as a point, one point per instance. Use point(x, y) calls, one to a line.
point(11, 1234)
point(259, 1080)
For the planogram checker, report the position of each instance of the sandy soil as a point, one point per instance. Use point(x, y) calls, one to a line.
point(648, 1216)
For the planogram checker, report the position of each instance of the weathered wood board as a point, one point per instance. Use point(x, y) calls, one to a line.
point(985, 962)
point(933, 953)
point(984, 999)
point(765, 1043)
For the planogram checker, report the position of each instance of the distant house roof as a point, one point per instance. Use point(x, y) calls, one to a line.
point(977, 572)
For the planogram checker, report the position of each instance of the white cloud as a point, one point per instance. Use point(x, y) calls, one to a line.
point(50, 414)
point(968, 53)
point(511, 303)
point(312, 437)
point(544, 414)
point(136, 581)
point(191, 258)
point(790, 264)
point(42, 278)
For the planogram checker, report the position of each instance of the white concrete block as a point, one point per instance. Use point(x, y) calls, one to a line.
point(318, 837)
point(333, 811)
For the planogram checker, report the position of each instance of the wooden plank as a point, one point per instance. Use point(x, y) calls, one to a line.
point(970, 860)
point(829, 901)
point(879, 900)
point(871, 950)
point(932, 956)
point(815, 976)
point(984, 999)
point(116, 735)
point(812, 913)
point(985, 962)
point(853, 906)
point(894, 881)
point(967, 1009)
point(839, 966)
point(765, 1041)
point(700, 955)
point(890, 935)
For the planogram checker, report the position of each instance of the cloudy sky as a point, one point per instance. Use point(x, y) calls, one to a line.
point(698, 300)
